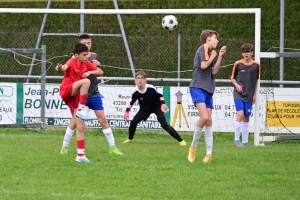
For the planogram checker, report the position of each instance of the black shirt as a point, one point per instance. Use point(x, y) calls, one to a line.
point(149, 99)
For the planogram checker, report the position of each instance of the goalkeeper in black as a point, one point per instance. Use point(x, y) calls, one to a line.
point(150, 101)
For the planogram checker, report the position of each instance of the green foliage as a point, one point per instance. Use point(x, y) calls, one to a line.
point(154, 167)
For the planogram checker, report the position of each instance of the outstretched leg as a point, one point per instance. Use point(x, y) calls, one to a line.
point(141, 115)
point(162, 120)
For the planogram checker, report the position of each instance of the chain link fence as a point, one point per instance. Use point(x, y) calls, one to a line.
point(157, 55)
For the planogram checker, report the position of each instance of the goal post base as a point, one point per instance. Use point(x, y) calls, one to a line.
point(288, 137)
point(277, 138)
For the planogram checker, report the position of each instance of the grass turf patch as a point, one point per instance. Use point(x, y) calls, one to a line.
point(155, 167)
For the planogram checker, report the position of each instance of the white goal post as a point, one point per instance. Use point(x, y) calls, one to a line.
point(255, 11)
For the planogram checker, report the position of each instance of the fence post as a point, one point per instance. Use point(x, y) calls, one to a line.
point(43, 86)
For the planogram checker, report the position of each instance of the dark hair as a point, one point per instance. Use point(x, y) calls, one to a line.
point(247, 47)
point(84, 36)
point(141, 73)
point(79, 48)
point(207, 33)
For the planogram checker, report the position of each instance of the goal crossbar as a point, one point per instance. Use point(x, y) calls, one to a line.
point(130, 11)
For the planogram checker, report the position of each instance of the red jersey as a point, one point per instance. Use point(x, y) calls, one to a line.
point(75, 71)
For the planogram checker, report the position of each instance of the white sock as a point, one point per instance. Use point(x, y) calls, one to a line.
point(68, 137)
point(209, 140)
point(109, 136)
point(196, 137)
point(245, 132)
point(237, 130)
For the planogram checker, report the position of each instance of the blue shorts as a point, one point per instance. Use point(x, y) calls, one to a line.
point(201, 96)
point(95, 103)
point(242, 105)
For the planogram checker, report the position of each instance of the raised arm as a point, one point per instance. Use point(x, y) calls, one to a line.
point(217, 66)
point(205, 64)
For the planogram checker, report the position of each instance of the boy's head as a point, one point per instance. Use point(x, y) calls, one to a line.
point(247, 50)
point(140, 78)
point(209, 37)
point(80, 52)
point(86, 39)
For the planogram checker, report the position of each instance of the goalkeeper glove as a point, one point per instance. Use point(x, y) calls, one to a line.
point(164, 108)
point(126, 115)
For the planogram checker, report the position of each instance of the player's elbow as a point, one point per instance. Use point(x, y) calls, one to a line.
point(214, 72)
point(63, 68)
point(100, 72)
point(203, 66)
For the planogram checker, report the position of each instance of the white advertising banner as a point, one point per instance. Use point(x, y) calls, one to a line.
point(56, 111)
point(115, 100)
point(8, 103)
point(279, 110)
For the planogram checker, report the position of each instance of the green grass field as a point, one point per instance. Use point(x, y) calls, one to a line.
point(154, 167)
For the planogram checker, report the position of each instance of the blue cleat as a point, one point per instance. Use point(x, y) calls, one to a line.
point(237, 143)
point(246, 144)
point(82, 159)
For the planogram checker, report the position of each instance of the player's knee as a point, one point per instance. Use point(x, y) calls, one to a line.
point(166, 127)
point(102, 120)
point(239, 115)
point(209, 121)
point(205, 119)
point(246, 118)
point(133, 124)
point(86, 81)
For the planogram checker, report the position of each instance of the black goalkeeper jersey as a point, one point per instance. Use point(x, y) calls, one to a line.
point(149, 99)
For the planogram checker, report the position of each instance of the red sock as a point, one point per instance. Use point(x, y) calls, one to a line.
point(80, 147)
point(83, 98)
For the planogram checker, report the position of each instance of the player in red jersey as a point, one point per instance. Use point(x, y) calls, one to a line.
point(74, 91)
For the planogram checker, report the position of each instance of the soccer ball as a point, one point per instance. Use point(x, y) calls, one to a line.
point(169, 22)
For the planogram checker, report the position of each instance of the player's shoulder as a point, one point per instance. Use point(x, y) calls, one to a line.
point(255, 62)
point(204, 47)
point(201, 48)
point(93, 53)
point(238, 61)
point(134, 90)
point(150, 86)
point(71, 60)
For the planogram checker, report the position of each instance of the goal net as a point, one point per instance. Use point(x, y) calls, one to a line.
point(127, 41)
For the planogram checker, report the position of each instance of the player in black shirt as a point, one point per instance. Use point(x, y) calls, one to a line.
point(150, 101)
